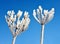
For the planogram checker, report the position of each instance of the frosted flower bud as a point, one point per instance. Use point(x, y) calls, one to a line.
point(26, 14)
point(9, 13)
point(12, 12)
point(38, 12)
point(52, 9)
point(51, 12)
point(45, 12)
point(40, 8)
point(34, 12)
point(19, 14)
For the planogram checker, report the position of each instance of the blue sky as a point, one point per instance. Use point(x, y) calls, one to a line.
point(32, 34)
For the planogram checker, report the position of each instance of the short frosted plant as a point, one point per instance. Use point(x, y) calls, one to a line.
point(43, 16)
point(16, 24)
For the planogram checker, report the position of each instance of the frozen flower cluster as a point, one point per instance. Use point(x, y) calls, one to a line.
point(16, 24)
point(43, 16)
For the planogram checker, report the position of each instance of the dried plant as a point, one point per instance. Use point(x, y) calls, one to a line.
point(15, 24)
point(43, 17)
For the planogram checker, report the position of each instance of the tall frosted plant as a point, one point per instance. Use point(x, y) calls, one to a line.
point(15, 24)
point(43, 16)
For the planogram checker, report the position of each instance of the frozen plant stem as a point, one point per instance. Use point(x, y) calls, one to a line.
point(42, 34)
point(14, 39)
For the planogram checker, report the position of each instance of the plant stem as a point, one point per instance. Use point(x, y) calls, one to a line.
point(14, 39)
point(42, 35)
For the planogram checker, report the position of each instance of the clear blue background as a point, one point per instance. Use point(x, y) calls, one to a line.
point(32, 34)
